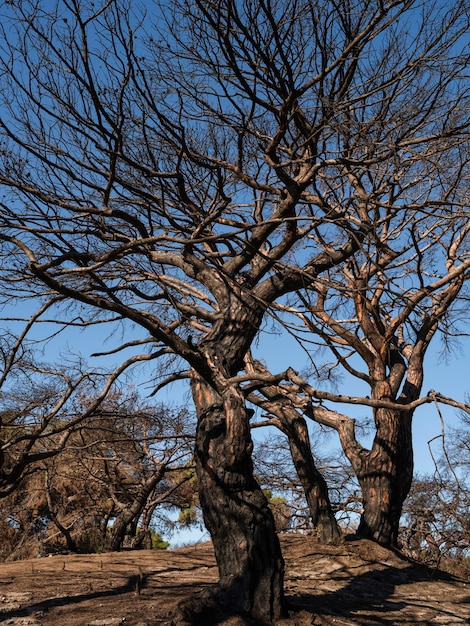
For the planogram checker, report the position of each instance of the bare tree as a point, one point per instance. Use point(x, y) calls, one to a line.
point(114, 471)
point(435, 525)
point(385, 311)
point(41, 405)
point(154, 474)
point(378, 317)
point(186, 170)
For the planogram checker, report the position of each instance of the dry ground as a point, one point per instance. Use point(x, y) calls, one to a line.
point(356, 582)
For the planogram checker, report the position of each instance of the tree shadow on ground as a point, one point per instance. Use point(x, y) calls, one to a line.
point(133, 583)
point(368, 597)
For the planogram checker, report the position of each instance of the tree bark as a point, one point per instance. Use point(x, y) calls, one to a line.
point(385, 475)
point(235, 510)
point(313, 483)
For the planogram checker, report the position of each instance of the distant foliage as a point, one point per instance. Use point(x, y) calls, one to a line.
point(130, 462)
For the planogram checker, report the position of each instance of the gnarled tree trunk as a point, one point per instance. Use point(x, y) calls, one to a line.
point(235, 510)
point(385, 476)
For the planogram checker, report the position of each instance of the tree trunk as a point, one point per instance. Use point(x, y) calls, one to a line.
point(313, 483)
point(71, 543)
point(131, 512)
point(144, 536)
point(236, 512)
point(119, 528)
point(385, 477)
point(293, 425)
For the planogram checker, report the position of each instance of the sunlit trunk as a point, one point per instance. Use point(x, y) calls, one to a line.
point(385, 477)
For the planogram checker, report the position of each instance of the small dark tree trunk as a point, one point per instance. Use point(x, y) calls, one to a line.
point(385, 478)
point(70, 541)
point(235, 511)
point(130, 514)
point(119, 528)
point(313, 483)
point(294, 426)
point(144, 536)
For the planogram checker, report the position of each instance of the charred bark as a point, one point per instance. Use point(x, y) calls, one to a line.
point(313, 483)
point(235, 510)
point(384, 472)
point(385, 477)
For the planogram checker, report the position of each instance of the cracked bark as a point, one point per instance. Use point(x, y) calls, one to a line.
point(235, 510)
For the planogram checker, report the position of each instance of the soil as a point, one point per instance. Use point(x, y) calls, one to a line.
point(355, 582)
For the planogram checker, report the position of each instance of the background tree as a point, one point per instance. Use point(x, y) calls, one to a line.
point(103, 488)
point(186, 177)
point(159, 470)
point(436, 525)
point(41, 405)
point(386, 312)
point(276, 470)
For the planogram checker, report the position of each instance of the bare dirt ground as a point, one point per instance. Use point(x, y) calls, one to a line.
point(356, 582)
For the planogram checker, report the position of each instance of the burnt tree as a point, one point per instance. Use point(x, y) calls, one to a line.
point(178, 174)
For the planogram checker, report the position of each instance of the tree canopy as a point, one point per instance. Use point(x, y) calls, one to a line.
point(192, 170)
